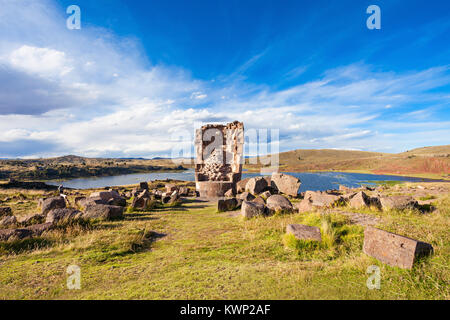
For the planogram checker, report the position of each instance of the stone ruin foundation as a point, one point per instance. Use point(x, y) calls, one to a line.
point(219, 158)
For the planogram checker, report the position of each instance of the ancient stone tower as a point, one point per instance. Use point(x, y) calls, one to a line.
point(219, 158)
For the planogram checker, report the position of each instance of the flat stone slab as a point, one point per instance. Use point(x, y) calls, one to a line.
point(393, 249)
point(302, 232)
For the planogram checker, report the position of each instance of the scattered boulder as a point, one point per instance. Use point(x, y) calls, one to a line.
point(259, 200)
point(92, 200)
point(104, 212)
point(323, 199)
point(269, 181)
point(14, 234)
point(139, 203)
point(8, 221)
point(398, 202)
point(110, 197)
point(302, 232)
point(121, 202)
point(31, 219)
point(62, 215)
point(240, 185)
point(286, 184)
point(304, 206)
point(362, 200)
point(279, 203)
point(5, 211)
point(256, 185)
point(165, 199)
point(171, 188)
point(227, 204)
point(265, 194)
point(103, 195)
point(127, 195)
point(252, 209)
point(174, 198)
point(245, 196)
point(144, 194)
point(38, 229)
point(52, 203)
point(143, 185)
point(393, 249)
point(183, 191)
point(80, 201)
point(229, 193)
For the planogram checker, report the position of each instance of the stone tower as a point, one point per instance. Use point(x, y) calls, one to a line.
point(219, 158)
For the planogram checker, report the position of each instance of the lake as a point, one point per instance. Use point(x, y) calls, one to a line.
point(316, 181)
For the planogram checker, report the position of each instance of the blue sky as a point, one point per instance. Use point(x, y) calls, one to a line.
point(141, 75)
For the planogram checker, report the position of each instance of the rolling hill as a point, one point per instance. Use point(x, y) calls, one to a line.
point(430, 162)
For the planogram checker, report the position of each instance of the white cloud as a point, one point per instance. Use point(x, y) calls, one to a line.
point(42, 61)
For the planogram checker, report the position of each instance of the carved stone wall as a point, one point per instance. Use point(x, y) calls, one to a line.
point(219, 154)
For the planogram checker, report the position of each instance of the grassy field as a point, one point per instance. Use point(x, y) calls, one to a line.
point(193, 252)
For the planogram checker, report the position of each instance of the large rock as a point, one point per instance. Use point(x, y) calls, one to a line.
point(14, 234)
point(227, 204)
point(110, 197)
point(8, 221)
point(183, 191)
point(398, 202)
point(252, 209)
point(52, 203)
point(5, 211)
point(31, 219)
point(80, 201)
point(38, 229)
point(362, 200)
point(278, 202)
point(240, 185)
point(174, 198)
point(229, 193)
point(246, 196)
point(170, 187)
point(259, 200)
point(143, 185)
point(302, 232)
point(256, 185)
point(104, 212)
point(142, 200)
point(393, 249)
point(265, 194)
point(104, 195)
point(84, 202)
point(121, 202)
point(286, 184)
point(323, 199)
point(305, 206)
point(62, 215)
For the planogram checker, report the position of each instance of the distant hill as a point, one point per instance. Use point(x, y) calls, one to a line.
point(431, 162)
point(67, 167)
point(430, 151)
